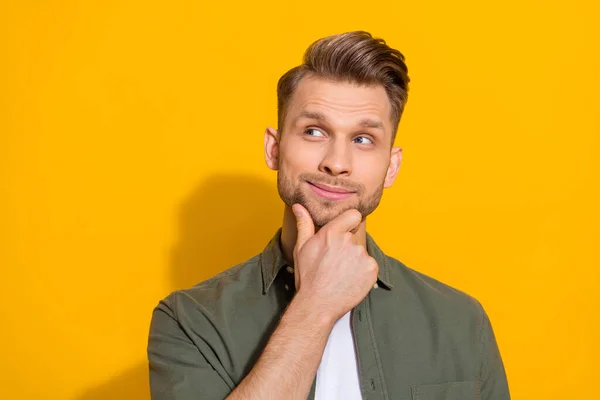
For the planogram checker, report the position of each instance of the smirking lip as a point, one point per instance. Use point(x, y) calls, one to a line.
point(329, 195)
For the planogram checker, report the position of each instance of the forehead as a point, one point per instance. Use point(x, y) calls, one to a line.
point(337, 100)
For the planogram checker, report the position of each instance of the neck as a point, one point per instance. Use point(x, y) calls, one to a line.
point(289, 234)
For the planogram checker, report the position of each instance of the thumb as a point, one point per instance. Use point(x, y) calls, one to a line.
point(304, 224)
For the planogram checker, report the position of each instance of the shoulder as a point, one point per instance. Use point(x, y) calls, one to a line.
point(235, 284)
point(434, 296)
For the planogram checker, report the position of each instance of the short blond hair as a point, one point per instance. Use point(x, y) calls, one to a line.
point(354, 57)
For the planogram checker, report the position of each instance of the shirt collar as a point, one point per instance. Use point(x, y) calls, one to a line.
point(272, 260)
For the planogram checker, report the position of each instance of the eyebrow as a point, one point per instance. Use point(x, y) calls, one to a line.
point(365, 122)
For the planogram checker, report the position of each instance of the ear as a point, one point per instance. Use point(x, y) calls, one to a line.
point(272, 148)
point(394, 167)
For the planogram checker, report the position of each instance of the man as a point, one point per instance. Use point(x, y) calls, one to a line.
point(322, 312)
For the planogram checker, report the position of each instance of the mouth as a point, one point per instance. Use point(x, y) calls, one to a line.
point(330, 192)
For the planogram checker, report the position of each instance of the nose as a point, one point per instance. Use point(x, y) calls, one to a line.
point(337, 159)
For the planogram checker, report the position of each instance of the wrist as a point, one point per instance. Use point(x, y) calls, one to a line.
point(307, 311)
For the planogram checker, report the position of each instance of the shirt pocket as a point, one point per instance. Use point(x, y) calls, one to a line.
point(459, 390)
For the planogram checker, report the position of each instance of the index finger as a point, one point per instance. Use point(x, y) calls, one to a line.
point(348, 221)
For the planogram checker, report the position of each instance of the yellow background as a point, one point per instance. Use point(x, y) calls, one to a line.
point(132, 148)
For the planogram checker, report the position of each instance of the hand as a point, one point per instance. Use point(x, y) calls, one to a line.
point(332, 272)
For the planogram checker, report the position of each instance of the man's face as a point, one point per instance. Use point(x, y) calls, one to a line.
point(336, 137)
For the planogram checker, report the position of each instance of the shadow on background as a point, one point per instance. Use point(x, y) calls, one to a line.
point(225, 221)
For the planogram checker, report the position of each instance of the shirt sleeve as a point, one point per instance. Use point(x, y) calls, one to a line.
point(178, 369)
point(494, 385)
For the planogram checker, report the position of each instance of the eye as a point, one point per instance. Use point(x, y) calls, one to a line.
point(364, 137)
point(314, 132)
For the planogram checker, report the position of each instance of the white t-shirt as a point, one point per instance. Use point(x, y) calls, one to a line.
point(337, 376)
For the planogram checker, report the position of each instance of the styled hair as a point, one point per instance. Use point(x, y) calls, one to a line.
point(353, 57)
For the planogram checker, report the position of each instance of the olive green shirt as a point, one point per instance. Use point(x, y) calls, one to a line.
point(415, 337)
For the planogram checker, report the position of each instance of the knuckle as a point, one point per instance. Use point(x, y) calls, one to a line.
point(361, 251)
point(373, 266)
point(347, 237)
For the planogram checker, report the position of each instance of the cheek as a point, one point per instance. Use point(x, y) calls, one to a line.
point(298, 158)
point(371, 173)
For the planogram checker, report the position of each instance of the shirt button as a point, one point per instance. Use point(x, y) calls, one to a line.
point(290, 269)
point(375, 286)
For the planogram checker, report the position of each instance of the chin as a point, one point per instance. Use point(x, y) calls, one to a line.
point(322, 213)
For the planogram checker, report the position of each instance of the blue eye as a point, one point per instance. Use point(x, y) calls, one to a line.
point(364, 137)
point(313, 130)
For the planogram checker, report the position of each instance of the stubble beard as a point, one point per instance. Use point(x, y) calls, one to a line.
point(323, 210)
